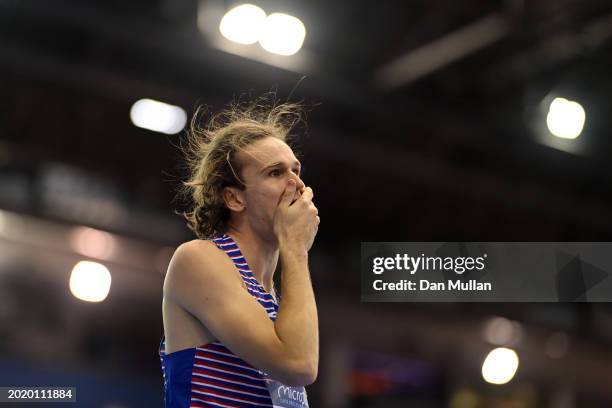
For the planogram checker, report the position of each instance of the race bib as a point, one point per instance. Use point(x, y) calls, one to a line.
point(285, 396)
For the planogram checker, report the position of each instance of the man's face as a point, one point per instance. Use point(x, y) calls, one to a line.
point(267, 166)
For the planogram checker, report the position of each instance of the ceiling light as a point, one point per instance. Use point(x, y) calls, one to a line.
point(282, 34)
point(565, 118)
point(500, 366)
point(158, 116)
point(90, 281)
point(242, 24)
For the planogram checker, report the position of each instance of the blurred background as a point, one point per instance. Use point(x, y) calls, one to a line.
point(432, 121)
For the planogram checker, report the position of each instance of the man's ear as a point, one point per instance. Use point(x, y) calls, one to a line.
point(234, 199)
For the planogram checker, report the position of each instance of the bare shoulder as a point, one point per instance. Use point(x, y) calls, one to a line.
point(197, 263)
point(199, 249)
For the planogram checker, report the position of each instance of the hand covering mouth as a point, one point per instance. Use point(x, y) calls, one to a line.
point(295, 198)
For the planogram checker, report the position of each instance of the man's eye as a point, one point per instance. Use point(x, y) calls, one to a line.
point(275, 173)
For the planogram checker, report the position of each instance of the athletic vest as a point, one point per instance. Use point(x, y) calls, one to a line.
point(212, 376)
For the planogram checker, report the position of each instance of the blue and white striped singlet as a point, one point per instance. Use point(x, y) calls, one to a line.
point(211, 375)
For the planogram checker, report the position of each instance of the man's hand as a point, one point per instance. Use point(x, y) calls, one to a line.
point(296, 221)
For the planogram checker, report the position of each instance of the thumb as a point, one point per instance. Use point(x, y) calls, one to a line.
point(288, 193)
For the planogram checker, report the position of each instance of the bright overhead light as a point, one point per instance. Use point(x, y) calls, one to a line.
point(500, 366)
point(90, 281)
point(158, 116)
point(242, 24)
point(282, 34)
point(565, 118)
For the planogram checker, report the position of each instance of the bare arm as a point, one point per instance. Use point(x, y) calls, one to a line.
point(297, 320)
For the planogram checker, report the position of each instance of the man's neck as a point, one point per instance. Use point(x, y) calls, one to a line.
point(261, 255)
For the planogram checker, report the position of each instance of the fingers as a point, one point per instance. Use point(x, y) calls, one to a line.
point(313, 209)
point(307, 194)
point(316, 228)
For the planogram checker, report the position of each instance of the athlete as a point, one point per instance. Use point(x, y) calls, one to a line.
point(229, 339)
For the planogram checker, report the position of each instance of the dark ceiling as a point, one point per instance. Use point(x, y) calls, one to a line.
point(451, 144)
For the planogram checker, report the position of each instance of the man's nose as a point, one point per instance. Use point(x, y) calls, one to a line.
point(299, 184)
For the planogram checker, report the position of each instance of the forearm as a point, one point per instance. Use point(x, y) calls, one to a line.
point(297, 321)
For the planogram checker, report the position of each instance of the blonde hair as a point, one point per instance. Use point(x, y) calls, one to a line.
point(210, 154)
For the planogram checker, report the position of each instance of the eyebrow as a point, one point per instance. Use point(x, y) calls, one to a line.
point(269, 166)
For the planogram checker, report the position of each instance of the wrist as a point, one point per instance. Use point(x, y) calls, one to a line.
point(295, 252)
